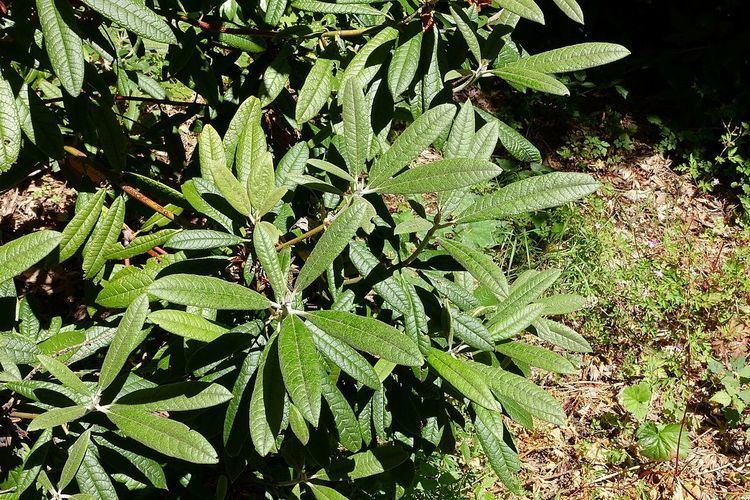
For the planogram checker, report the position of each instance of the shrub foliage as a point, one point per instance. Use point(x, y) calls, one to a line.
point(255, 317)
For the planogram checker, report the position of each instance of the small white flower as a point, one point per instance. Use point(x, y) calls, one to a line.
point(659, 273)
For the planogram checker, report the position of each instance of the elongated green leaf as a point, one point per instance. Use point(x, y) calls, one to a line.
point(404, 64)
point(334, 8)
point(140, 245)
point(369, 335)
point(64, 46)
point(136, 17)
point(462, 23)
point(10, 127)
point(298, 424)
point(188, 325)
point(206, 291)
point(56, 416)
point(483, 143)
point(463, 377)
point(211, 152)
point(527, 288)
point(562, 304)
point(528, 9)
point(376, 461)
point(457, 294)
point(512, 321)
point(571, 9)
point(92, 479)
point(321, 492)
point(150, 468)
point(105, 235)
point(356, 114)
point(459, 140)
point(525, 392)
point(202, 239)
point(471, 330)
point(344, 418)
point(64, 374)
point(416, 138)
point(365, 262)
point(526, 77)
point(20, 254)
point(332, 169)
point(251, 150)
point(33, 462)
point(561, 335)
point(333, 242)
point(300, 367)
point(76, 453)
point(79, 227)
point(536, 356)
point(346, 358)
point(534, 193)
point(266, 403)
point(247, 114)
point(274, 10)
point(261, 181)
point(239, 392)
point(229, 186)
point(572, 58)
point(441, 175)
point(358, 66)
point(39, 123)
point(126, 285)
point(315, 91)
point(166, 436)
point(292, 164)
point(517, 145)
point(274, 78)
point(128, 336)
point(480, 265)
point(180, 396)
point(265, 237)
point(502, 458)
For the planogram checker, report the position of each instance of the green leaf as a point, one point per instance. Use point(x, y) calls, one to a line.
point(64, 46)
point(459, 140)
point(105, 234)
point(636, 399)
point(228, 185)
point(528, 9)
point(166, 436)
point(291, 164)
point(536, 356)
point(39, 123)
point(202, 239)
point(247, 114)
point(479, 264)
point(150, 468)
point(463, 25)
point(18, 255)
point(298, 424)
point(239, 391)
point(180, 396)
point(126, 285)
point(266, 403)
point(388, 289)
point(463, 377)
point(534, 193)
point(344, 418)
point(524, 392)
point(321, 492)
point(55, 417)
point(64, 374)
point(369, 335)
point(33, 462)
point(526, 77)
point(572, 58)
point(300, 367)
point(376, 461)
point(562, 304)
point(517, 145)
point(92, 479)
point(471, 330)
point(127, 337)
point(571, 9)
point(315, 91)
point(274, 78)
point(265, 237)
point(663, 442)
point(416, 138)
point(356, 116)
point(561, 335)
point(332, 169)
point(211, 152)
point(274, 10)
point(335, 239)
point(136, 17)
point(404, 64)
point(455, 293)
point(140, 245)
point(414, 225)
point(10, 127)
point(76, 453)
point(251, 150)
point(188, 325)
point(334, 8)
point(79, 227)
point(503, 460)
point(261, 180)
point(206, 291)
point(346, 358)
point(441, 175)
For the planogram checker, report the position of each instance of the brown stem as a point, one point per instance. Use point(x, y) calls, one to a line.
point(152, 100)
point(142, 198)
point(301, 237)
point(21, 414)
point(423, 244)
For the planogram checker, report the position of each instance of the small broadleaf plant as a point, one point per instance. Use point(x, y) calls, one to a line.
point(267, 327)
